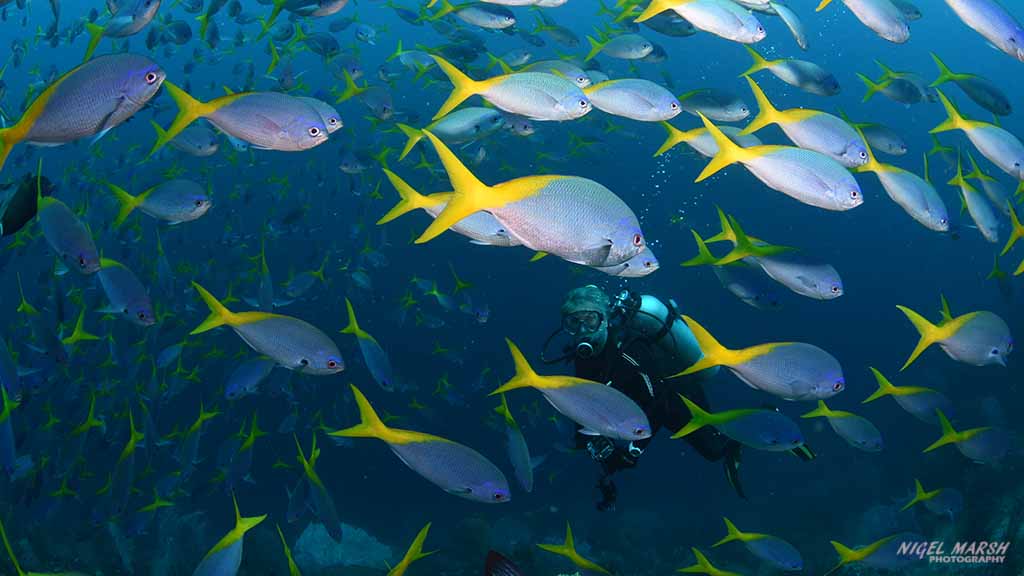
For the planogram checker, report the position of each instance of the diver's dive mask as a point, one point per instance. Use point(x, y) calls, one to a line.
point(582, 322)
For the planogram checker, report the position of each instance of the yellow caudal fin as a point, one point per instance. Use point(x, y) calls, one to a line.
point(219, 314)
point(10, 551)
point(846, 555)
point(945, 74)
point(414, 135)
point(927, 330)
point(353, 326)
point(675, 137)
point(370, 425)
point(128, 203)
point(409, 200)
point(351, 89)
point(704, 566)
point(872, 165)
point(885, 387)
point(822, 6)
point(726, 234)
point(293, 569)
point(704, 256)
point(872, 86)
point(595, 48)
point(744, 246)
point(1016, 230)
point(699, 418)
point(189, 110)
point(959, 179)
point(920, 495)
point(728, 151)
point(653, 9)
point(505, 412)
point(8, 138)
point(822, 411)
point(244, 524)
point(735, 535)
point(759, 62)
point(949, 434)
point(976, 172)
point(470, 194)
point(714, 352)
point(414, 553)
point(568, 550)
point(95, 35)
point(462, 86)
point(767, 114)
point(79, 333)
point(954, 120)
point(525, 376)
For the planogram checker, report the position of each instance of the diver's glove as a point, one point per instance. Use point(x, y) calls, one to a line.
point(600, 448)
point(732, 462)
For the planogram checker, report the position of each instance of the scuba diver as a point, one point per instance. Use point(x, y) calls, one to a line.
point(634, 343)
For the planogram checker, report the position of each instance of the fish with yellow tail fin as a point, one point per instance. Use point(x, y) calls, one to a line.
point(704, 566)
point(805, 175)
point(858, 431)
point(920, 495)
point(984, 444)
point(86, 102)
point(978, 206)
point(515, 445)
point(479, 227)
point(173, 202)
point(455, 468)
point(701, 140)
point(769, 549)
point(789, 370)
point(67, 235)
point(574, 218)
point(758, 428)
point(942, 501)
point(461, 126)
point(994, 142)
point(293, 569)
point(414, 553)
point(881, 16)
point(127, 18)
point(983, 92)
point(1016, 231)
point(977, 338)
point(801, 74)
point(722, 18)
point(921, 402)
point(225, 557)
point(17, 567)
point(535, 95)
point(882, 553)
point(292, 343)
point(319, 496)
point(601, 410)
point(8, 451)
point(568, 550)
point(373, 354)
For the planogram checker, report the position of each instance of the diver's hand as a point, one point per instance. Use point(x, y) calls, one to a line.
point(600, 448)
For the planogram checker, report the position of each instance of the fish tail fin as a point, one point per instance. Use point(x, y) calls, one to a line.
point(653, 9)
point(268, 23)
point(822, 411)
point(189, 110)
point(760, 63)
point(219, 314)
point(733, 535)
point(846, 555)
point(727, 234)
point(674, 137)
point(885, 387)
point(919, 495)
point(949, 434)
point(353, 326)
point(95, 35)
point(370, 425)
point(410, 199)
point(713, 351)
point(414, 135)
point(945, 74)
point(728, 151)
point(397, 53)
point(595, 48)
point(493, 61)
point(10, 551)
point(704, 256)
point(703, 565)
point(468, 197)
point(7, 141)
point(821, 7)
point(698, 419)
point(243, 525)
point(1016, 229)
point(767, 114)
point(872, 165)
point(462, 86)
point(959, 179)
point(128, 203)
point(275, 57)
point(872, 86)
point(926, 329)
point(351, 88)
point(525, 377)
point(745, 245)
point(505, 411)
point(415, 551)
point(954, 120)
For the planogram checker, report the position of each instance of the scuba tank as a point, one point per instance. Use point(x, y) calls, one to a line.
point(672, 343)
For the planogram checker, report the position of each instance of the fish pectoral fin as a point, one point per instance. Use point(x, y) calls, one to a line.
point(597, 254)
point(588, 432)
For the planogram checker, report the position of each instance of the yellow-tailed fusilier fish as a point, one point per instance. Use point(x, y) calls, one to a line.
point(978, 206)
point(535, 95)
point(515, 445)
point(1001, 198)
point(792, 21)
point(770, 549)
point(574, 218)
point(1016, 233)
point(373, 354)
point(982, 91)
point(17, 567)
point(718, 105)
point(563, 68)
point(87, 101)
point(921, 402)
point(127, 296)
point(990, 19)
point(743, 247)
point(808, 176)
point(702, 141)
point(480, 227)
point(902, 87)
point(976, 338)
point(67, 235)
point(881, 16)
point(455, 468)
point(704, 566)
point(461, 126)
point(1001, 147)
point(722, 18)
point(292, 343)
point(623, 47)
point(644, 263)
point(225, 557)
point(986, 444)
point(567, 549)
point(634, 98)
point(601, 410)
point(414, 553)
point(881, 554)
point(127, 18)
point(802, 74)
point(265, 120)
point(293, 569)
point(758, 428)
point(858, 431)
point(174, 201)
point(789, 370)
point(811, 129)
point(914, 194)
point(319, 496)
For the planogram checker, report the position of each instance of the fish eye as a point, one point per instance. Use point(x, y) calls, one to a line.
point(499, 497)
point(854, 194)
point(141, 315)
point(835, 289)
point(314, 131)
point(863, 155)
point(303, 362)
point(583, 103)
point(638, 431)
point(837, 386)
point(198, 203)
point(81, 261)
point(638, 240)
point(332, 121)
point(943, 221)
point(332, 363)
point(995, 352)
point(675, 105)
point(580, 80)
point(151, 78)
point(760, 29)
